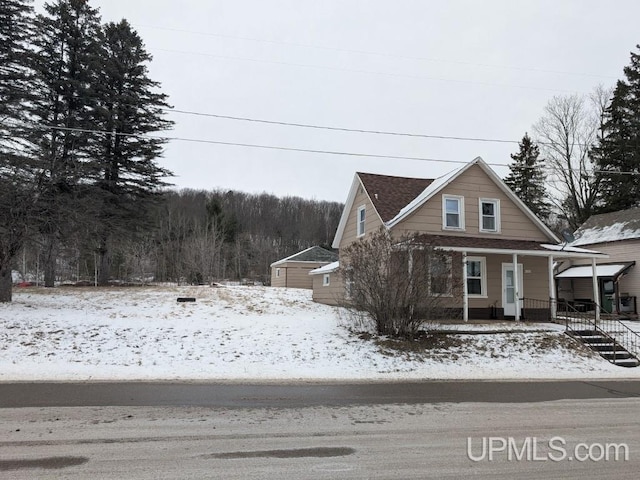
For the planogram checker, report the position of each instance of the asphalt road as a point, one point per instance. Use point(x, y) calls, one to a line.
point(313, 394)
point(378, 441)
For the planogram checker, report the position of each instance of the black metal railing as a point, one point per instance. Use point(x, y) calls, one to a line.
point(579, 321)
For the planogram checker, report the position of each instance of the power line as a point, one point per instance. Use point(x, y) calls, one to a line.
point(302, 150)
point(357, 130)
point(368, 72)
point(343, 129)
point(380, 54)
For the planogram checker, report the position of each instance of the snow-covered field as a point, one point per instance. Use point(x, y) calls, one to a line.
point(255, 334)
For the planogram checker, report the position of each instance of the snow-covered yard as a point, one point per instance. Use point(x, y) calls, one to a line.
point(256, 334)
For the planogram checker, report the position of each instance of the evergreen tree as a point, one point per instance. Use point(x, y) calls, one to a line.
point(16, 166)
point(526, 178)
point(66, 61)
point(128, 107)
point(618, 152)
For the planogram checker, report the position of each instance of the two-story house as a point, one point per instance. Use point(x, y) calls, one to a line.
point(502, 252)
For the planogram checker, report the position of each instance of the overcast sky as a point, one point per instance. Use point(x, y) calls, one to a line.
point(481, 69)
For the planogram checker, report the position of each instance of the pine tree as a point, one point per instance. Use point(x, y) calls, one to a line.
point(66, 61)
point(526, 179)
point(618, 152)
point(129, 106)
point(16, 166)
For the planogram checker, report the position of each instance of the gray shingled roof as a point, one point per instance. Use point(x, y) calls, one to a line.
point(312, 254)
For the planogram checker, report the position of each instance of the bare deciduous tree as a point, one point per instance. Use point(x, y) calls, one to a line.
point(566, 134)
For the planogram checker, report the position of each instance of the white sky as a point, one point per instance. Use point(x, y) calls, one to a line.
point(482, 69)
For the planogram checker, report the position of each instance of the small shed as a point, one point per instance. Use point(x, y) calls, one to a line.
point(293, 271)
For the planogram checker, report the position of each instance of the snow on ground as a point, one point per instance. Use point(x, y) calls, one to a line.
point(257, 334)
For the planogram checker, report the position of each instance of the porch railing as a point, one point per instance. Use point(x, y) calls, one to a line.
point(576, 321)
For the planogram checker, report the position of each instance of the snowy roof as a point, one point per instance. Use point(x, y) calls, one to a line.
point(609, 227)
point(311, 254)
point(568, 249)
point(331, 267)
point(586, 271)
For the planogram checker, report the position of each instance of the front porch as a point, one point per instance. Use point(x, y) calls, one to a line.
point(497, 275)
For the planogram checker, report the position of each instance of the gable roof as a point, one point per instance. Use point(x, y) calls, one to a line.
point(390, 194)
point(409, 194)
point(609, 227)
point(312, 254)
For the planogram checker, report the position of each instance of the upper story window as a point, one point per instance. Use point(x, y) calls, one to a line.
point(489, 215)
point(362, 215)
point(452, 212)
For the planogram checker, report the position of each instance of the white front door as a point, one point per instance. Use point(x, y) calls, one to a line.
point(509, 288)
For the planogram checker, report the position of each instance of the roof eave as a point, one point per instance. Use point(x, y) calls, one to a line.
point(348, 206)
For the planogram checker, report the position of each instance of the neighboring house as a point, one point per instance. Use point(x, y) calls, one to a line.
point(618, 235)
point(293, 271)
point(503, 254)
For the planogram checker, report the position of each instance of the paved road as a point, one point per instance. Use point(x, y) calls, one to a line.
point(290, 396)
point(383, 441)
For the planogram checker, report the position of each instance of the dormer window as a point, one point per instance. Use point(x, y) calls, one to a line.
point(489, 215)
point(362, 215)
point(452, 212)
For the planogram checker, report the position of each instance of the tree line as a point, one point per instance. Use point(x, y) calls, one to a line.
point(197, 237)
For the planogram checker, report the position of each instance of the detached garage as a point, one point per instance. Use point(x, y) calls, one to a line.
point(293, 271)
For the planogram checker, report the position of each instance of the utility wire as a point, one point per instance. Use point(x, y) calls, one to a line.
point(304, 150)
point(343, 129)
point(359, 130)
point(378, 54)
point(368, 72)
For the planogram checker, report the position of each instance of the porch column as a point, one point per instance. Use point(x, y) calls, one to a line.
point(516, 287)
point(552, 290)
point(596, 290)
point(465, 289)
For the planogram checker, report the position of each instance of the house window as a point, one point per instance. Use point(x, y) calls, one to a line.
point(362, 214)
point(440, 274)
point(277, 272)
point(326, 280)
point(489, 215)
point(476, 277)
point(452, 212)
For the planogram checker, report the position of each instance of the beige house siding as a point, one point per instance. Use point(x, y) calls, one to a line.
point(372, 220)
point(294, 274)
point(535, 277)
point(331, 294)
point(473, 184)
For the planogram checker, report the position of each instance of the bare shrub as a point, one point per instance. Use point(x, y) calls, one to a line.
point(401, 284)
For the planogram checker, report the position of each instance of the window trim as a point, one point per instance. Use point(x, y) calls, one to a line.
point(361, 223)
point(460, 200)
point(483, 277)
point(326, 279)
point(277, 272)
point(496, 203)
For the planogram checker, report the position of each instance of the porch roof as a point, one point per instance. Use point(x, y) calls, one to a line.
point(604, 270)
point(502, 246)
